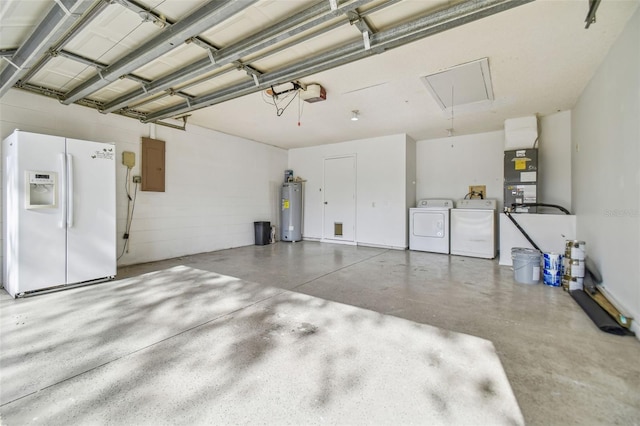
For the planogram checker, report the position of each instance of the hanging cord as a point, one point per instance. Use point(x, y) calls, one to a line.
point(555, 206)
point(131, 205)
point(472, 193)
point(126, 189)
point(524, 233)
point(300, 108)
point(280, 111)
point(450, 131)
point(276, 99)
point(452, 109)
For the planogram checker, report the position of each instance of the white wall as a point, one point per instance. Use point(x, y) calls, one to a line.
point(381, 180)
point(555, 160)
point(447, 166)
point(217, 185)
point(410, 180)
point(606, 171)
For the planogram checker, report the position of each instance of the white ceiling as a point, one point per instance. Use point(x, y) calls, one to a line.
point(540, 58)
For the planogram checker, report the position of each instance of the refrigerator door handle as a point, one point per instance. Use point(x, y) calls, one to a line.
point(69, 191)
point(63, 192)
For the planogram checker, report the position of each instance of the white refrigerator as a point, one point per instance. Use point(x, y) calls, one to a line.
point(59, 212)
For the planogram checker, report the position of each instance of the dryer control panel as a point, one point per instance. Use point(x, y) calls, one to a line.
point(434, 204)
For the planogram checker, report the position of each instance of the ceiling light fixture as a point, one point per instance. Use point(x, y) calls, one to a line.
point(354, 115)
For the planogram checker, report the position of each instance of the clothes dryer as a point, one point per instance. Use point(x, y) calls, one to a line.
point(429, 226)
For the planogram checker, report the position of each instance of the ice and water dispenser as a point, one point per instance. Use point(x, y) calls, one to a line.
point(42, 190)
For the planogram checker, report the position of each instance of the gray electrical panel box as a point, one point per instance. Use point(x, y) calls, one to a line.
point(521, 179)
point(291, 212)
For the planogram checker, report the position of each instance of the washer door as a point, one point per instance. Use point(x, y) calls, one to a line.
point(429, 224)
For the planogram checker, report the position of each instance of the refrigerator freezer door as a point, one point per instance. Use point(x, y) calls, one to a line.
point(91, 220)
point(35, 246)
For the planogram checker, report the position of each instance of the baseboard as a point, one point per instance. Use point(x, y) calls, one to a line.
point(351, 243)
point(382, 246)
point(344, 243)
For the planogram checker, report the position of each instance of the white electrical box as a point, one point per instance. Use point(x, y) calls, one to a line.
point(41, 190)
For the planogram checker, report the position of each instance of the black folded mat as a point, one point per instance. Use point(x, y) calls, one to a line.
point(599, 316)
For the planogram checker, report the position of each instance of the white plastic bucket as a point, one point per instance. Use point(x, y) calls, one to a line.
point(526, 265)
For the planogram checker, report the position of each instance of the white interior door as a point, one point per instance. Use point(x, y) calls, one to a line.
point(340, 199)
point(91, 232)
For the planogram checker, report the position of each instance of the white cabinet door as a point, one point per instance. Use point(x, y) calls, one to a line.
point(340, 199)
point(91, 231)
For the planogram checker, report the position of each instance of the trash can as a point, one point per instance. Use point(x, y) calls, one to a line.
point(526, 265)
point(263, 233)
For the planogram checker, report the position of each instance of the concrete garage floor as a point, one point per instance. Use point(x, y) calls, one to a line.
point(562, 369)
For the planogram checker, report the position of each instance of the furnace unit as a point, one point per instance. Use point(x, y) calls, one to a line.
point(521, 179)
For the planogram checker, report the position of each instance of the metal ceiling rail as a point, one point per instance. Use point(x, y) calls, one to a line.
point(95, 64)
point(197, 81)
point(7, 52)
point(265, 54)
point(302, 21)
point(150, 15)
point(205, 17)
point(101, 66)
point(57, 94)
point(62, 15)
point(291, 42)
point(402, 34)
point(77, 26)
point(147, 15)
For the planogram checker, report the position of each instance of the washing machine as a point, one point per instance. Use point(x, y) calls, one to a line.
point(429, 226)
point(473, 228)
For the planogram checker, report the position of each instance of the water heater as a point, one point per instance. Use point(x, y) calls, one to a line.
point(291, 211)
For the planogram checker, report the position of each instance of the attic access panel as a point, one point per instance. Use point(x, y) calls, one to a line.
point(460, 85)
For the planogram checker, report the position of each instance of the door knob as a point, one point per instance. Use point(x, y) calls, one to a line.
point(326, 202)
